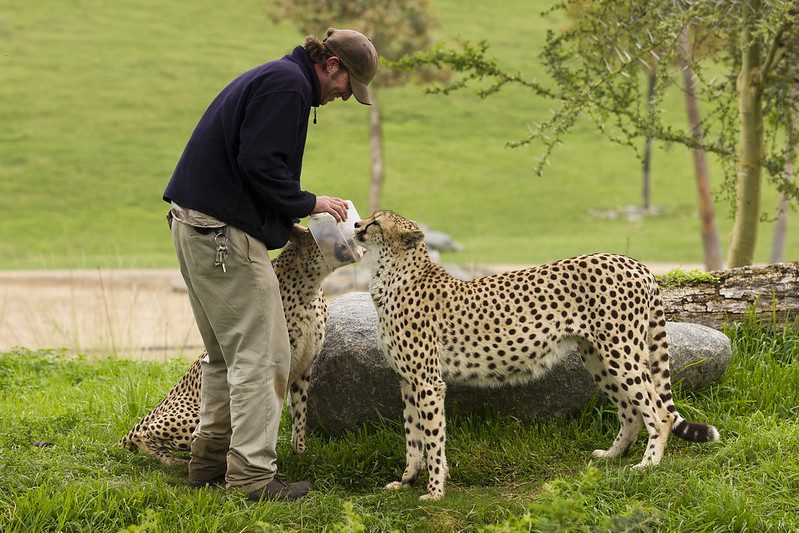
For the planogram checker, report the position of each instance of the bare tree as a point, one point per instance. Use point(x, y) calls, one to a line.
point(781, 224)
point(710, 235)
point(646, 186)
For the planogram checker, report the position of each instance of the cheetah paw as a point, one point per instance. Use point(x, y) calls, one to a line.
point(646, 463)
point(299, 448)
point(602, 454)
point(431, 497)
point(396, 485)
point(170, 460)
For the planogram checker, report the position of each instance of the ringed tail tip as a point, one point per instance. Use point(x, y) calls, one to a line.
point(695, 431)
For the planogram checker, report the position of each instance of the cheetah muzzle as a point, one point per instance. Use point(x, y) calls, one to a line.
point(300, 270)
point(512, 328)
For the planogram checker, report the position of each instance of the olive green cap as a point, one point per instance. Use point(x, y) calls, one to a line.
point(358, 55)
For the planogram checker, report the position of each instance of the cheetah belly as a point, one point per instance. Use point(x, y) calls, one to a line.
point(508, 366)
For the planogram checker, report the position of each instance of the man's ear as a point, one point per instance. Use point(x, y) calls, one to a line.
point(332, 63)
point(412, 238)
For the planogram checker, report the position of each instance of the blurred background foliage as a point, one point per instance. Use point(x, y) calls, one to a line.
point(100, 97)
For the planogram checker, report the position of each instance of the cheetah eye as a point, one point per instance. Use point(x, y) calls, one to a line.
point(372, 223)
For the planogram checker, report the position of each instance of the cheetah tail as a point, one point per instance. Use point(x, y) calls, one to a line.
point(694, 431)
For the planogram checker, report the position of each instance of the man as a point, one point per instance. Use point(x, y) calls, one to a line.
point(235, 194)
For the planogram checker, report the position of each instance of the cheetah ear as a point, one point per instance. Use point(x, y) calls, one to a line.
point(412, 238)
point(299, 230)
point(297, 233)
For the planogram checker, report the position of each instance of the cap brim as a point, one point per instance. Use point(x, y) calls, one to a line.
point(360, 92)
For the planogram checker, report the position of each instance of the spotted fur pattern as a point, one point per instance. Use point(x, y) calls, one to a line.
point(300, 270)
point(512, 328)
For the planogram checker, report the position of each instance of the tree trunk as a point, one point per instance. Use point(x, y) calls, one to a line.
point(750, 142)
point(710, 235)
point(771, 293)
point(781, 226)
point(646, 188)
point(376, 140)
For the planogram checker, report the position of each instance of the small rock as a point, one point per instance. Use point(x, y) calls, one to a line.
point(351, 381)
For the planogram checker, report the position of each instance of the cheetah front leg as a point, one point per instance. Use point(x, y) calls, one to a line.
point(299, 411)
point(414, 439)
point(430, 401)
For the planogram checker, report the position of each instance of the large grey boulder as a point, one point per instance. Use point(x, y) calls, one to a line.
point(352, 383)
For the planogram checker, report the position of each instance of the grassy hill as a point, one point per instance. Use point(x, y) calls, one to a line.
point(99, 99)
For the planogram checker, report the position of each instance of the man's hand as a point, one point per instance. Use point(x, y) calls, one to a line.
point(334, 206)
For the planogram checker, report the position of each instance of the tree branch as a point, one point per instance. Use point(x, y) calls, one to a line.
point(785, 79)
point(774, 54)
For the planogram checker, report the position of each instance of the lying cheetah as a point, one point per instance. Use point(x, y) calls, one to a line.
point(300, 270)
point(512, 328)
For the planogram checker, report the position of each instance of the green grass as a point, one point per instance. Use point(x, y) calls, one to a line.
point(99, 99)
point(505, 474)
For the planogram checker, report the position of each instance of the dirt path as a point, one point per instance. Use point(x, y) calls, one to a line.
point(139, 314)
point(133, 313)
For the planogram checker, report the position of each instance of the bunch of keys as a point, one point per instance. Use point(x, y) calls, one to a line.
point(221, 250)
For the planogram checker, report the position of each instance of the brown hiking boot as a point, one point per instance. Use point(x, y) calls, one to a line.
point(277, 489)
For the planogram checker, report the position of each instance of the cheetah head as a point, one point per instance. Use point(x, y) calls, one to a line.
point(388, 230)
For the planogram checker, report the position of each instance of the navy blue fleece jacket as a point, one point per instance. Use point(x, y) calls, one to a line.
point(242, 164)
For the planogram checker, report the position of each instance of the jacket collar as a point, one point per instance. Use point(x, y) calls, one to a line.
point(301, 57)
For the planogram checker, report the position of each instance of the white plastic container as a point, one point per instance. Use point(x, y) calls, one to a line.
point(337, 240)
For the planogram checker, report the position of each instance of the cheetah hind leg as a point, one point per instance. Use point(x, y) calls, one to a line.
point(639, 405)
point(657, 419)
point(167, 458)
point(299, 412)
point(630, 419)
point(631, 423)
point(414, 441)
point(658, 424)
point(162, 453)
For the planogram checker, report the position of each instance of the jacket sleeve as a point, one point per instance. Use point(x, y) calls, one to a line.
point(269, 137)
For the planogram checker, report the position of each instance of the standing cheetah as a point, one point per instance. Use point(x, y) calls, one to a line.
point(300, 270)
point(512, 328)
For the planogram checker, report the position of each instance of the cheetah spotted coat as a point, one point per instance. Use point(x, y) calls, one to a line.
point(512, 328)
point(300, 270)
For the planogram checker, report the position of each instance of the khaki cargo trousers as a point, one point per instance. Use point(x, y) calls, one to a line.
point(240, 317)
